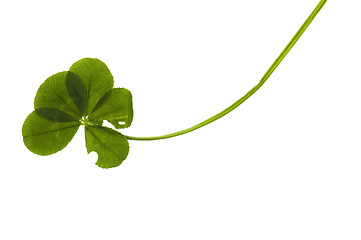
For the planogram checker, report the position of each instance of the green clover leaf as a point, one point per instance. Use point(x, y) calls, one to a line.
point(53, 93)
point(111, 146)
point(45, 137)
point(115, 107)
point(82, 96)
point(97, 79)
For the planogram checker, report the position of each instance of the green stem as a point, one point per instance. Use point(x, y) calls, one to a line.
point(253, 90)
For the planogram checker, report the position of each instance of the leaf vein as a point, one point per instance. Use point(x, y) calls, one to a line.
point(65, 102)
point(55, 130)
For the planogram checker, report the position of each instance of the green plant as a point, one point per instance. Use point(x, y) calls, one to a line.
point(84, 95)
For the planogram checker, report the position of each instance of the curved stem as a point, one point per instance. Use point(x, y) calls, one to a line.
point(253, 90)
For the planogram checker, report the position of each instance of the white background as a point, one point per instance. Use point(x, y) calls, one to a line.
point(284, 165)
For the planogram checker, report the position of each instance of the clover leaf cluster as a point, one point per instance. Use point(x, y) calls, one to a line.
point(84, 95)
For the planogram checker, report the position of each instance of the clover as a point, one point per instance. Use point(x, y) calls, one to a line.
point(84, 95)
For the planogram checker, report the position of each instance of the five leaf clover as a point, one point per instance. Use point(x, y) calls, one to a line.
point(84, 95)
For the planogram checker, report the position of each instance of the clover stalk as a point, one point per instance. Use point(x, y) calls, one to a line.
point(250, 92)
